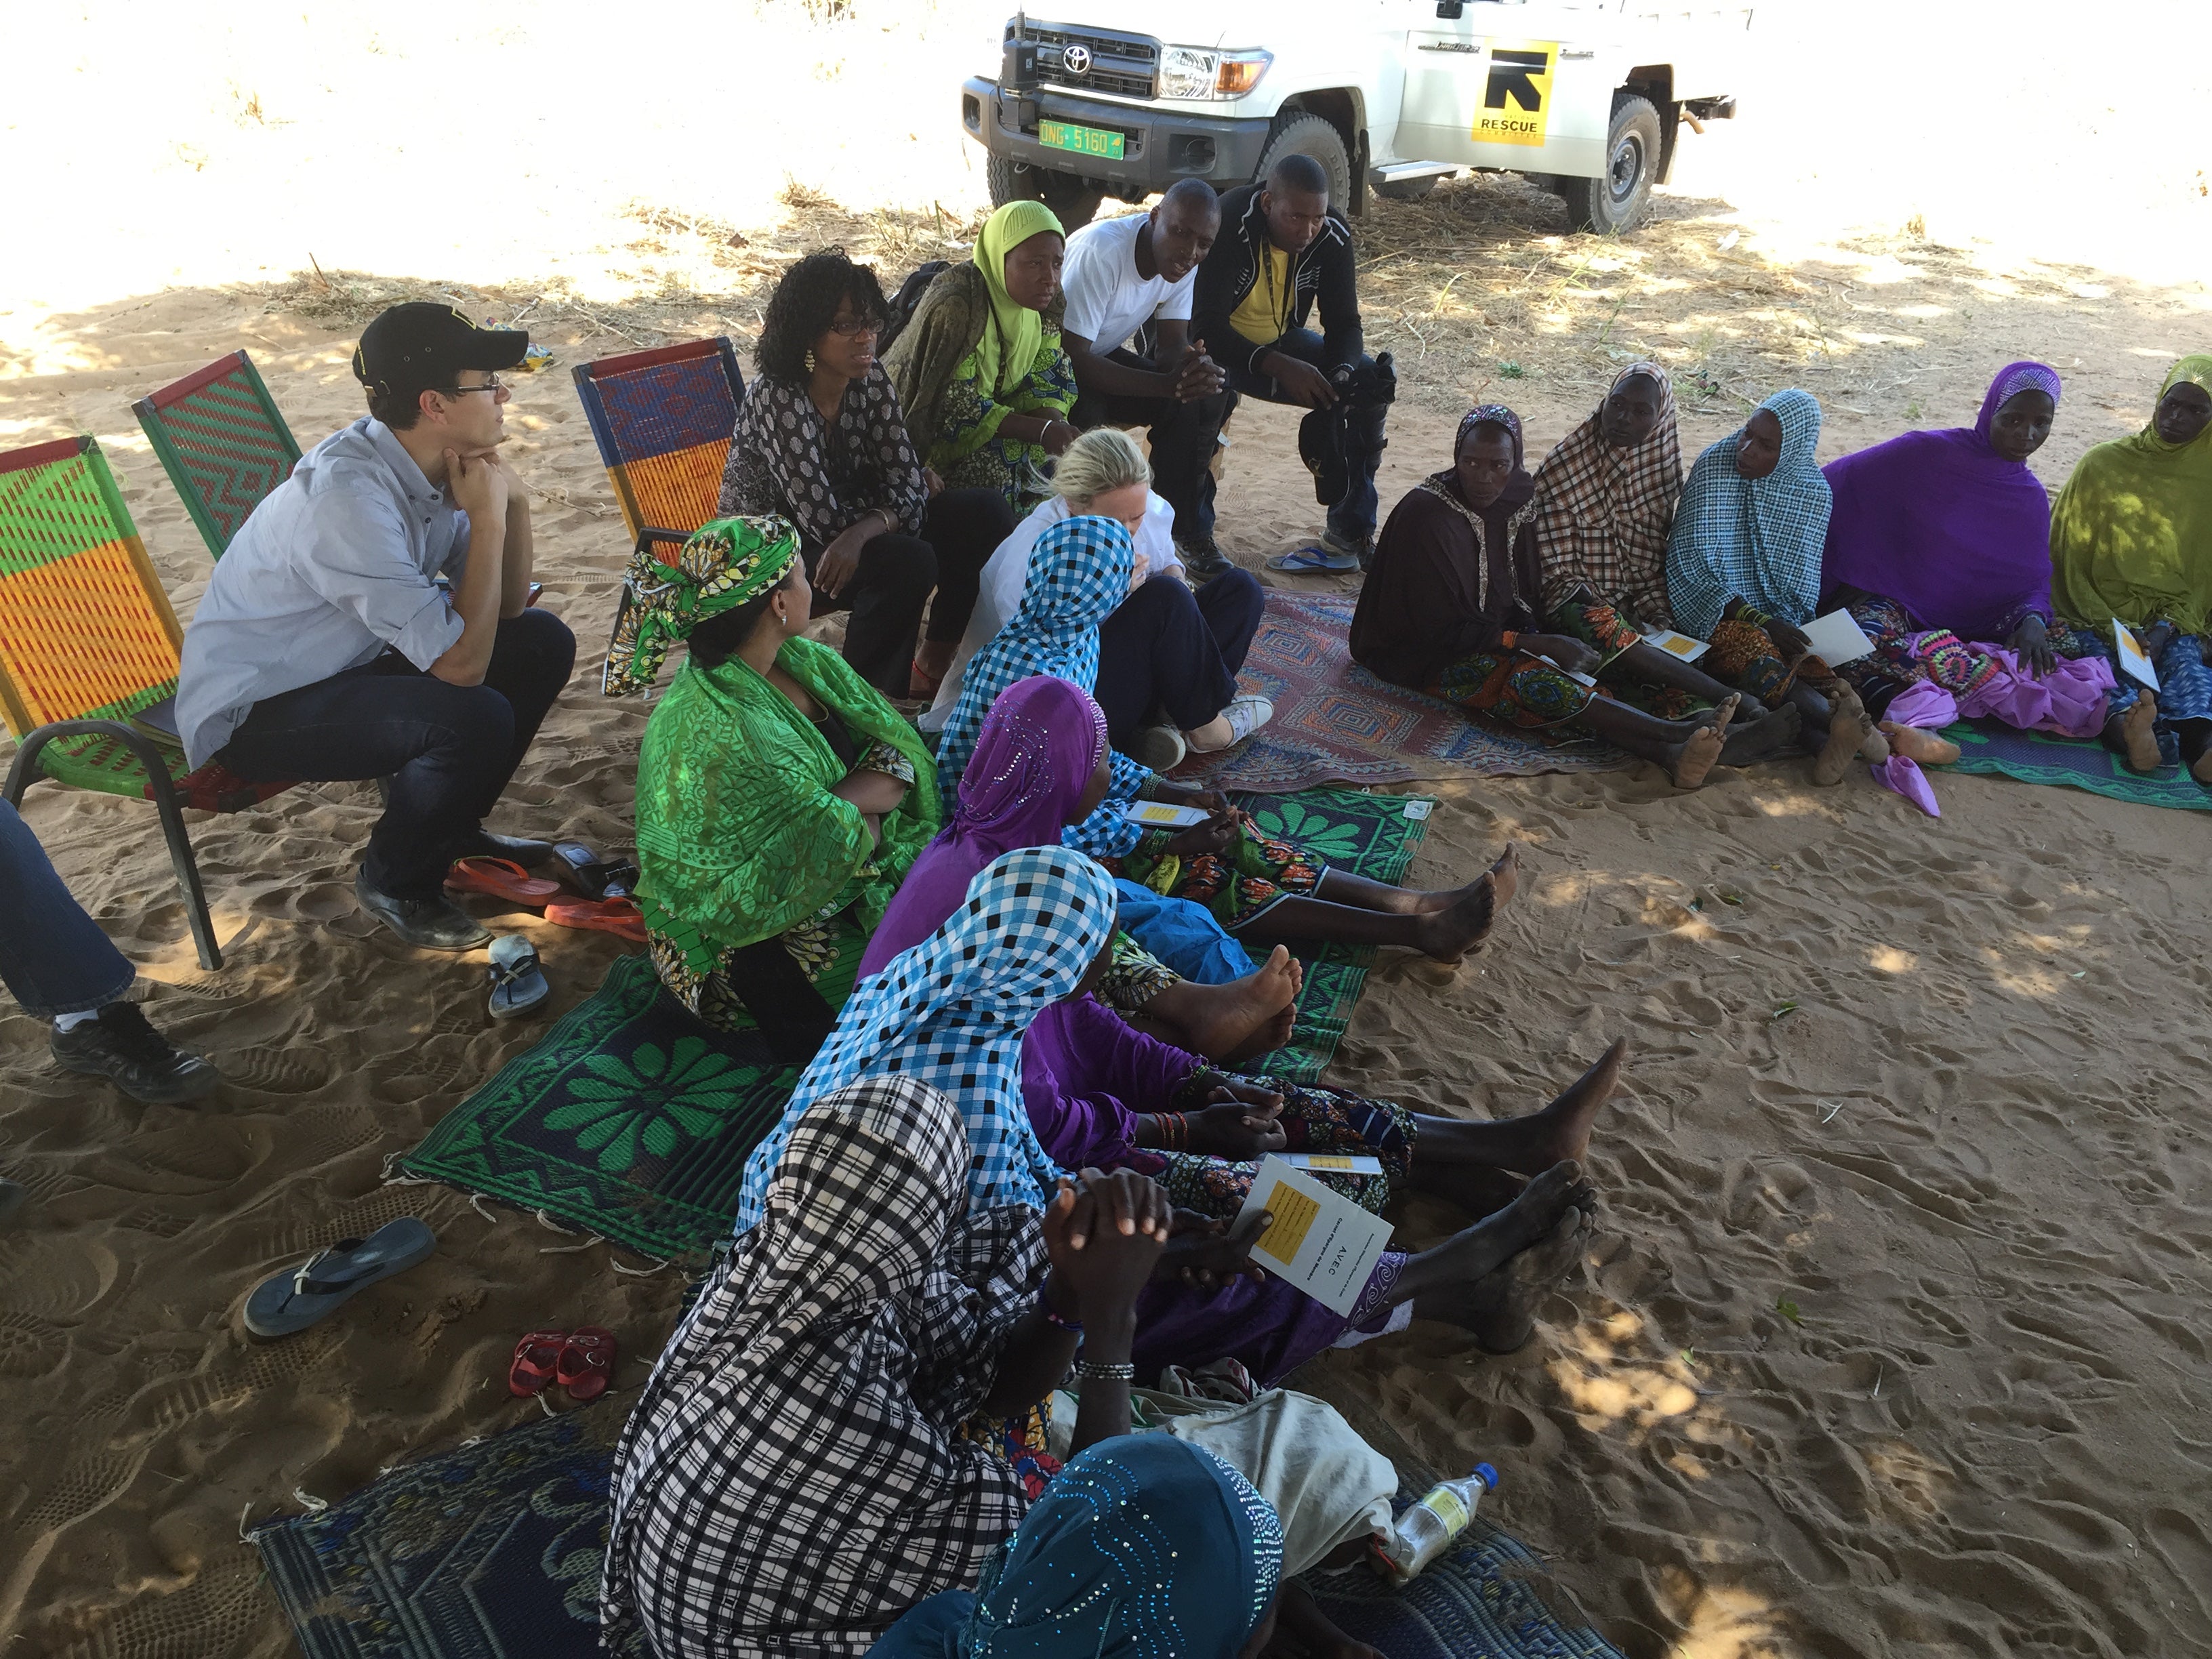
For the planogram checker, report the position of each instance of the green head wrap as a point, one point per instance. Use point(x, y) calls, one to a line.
point(725, 563)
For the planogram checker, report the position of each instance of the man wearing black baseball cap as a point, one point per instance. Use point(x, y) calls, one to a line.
point(324, 649)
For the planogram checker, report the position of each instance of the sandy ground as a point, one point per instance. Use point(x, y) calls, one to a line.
point(1892, 1341)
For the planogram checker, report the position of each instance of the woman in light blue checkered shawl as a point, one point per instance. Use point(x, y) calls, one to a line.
point(1080, 572)
point(951, 1012)
point(1755, 539)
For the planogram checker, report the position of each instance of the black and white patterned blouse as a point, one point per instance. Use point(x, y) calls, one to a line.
point(786, 458)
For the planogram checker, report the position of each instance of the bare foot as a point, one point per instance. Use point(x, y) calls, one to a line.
point(1848, 731)
point(1505, 874)
point(2200, 767)
point(1450, 1150)
point(1503, 877)
point(1438, 1280)
point(1922, 747)
point(1221, 1021)
point(1448, 935)
point(1500, 1308)
point(1770, 734)
point(2135, 731)
point(1694, 758)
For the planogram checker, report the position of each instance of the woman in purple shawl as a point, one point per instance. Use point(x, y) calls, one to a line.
point(1100, 1092)
point(1939, 547)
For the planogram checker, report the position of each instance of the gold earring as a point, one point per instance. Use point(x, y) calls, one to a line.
point(809, 360)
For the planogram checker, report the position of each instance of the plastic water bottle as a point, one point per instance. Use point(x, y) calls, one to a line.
point(1427, 1530)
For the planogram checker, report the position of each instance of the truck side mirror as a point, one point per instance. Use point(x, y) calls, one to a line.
point(1452, 11)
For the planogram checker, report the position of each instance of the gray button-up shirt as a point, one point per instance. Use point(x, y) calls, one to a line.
point(335, 564)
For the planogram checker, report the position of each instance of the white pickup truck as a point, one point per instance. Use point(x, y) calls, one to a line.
point(1584, 95)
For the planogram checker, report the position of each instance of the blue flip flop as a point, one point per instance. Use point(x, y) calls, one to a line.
point(1316, 561)
point(292, 1301)
point(518, 984)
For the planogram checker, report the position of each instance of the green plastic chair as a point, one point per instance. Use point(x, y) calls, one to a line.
point(222, 442)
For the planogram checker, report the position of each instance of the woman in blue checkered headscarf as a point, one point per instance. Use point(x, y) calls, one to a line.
point(950, 1013)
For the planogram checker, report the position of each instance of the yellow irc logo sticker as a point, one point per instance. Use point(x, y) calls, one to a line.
point(1516, 94)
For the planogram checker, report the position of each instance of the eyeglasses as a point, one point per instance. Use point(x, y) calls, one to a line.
point(849, 326)
point(495, 385)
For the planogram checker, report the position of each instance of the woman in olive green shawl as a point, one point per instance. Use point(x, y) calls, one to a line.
point(979, 371)
point(777, 810)
point(2131, 537)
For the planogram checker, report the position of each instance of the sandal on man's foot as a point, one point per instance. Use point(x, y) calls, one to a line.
point(290, 1302)
point(619, 916)
point(500, 878)
point(518, 979)
point(587, 1363)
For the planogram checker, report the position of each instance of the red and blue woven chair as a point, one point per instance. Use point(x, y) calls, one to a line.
point(662, 419)
point(89, 655)
point(223, 443)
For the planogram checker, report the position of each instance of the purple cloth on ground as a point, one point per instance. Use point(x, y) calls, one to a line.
point(1035, 753)
point(1922, 703)
point(1905, 778)
point(2070, 700)
point(1086, 1072)
point(1941, 523)
point(1269, 1328)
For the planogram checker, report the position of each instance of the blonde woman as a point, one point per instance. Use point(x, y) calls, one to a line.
point(1168, 657)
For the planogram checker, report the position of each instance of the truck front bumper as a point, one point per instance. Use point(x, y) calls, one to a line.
point(1159, 145)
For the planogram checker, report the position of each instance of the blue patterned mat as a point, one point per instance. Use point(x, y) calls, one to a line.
point(492, 1551)
point(2034, 758)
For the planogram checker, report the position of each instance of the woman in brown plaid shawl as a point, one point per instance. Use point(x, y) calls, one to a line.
point(1607, 497)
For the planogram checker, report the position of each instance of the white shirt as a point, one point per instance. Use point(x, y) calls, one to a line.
point(1107, 299)
point(1006, 573)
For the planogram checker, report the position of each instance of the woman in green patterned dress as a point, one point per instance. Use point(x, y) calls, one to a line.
point(776, 810)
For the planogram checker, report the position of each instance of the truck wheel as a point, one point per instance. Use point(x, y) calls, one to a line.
point(1072, 201)
point(1614, 203)
point(1298, 132)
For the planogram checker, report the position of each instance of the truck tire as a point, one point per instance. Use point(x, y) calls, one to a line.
point(1613, 205)
point(1299, 132)
point(1072, 201)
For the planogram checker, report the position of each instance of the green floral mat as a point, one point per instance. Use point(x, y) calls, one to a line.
point(628, 1118)
point(2034, 758)
point(1369, 836)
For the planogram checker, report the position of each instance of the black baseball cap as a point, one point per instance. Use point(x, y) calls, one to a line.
point(421, 346)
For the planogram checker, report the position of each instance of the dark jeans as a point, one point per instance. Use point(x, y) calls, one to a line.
point(1182, 436)
point(892, 580)
point(1170, 649)
point(448, 750)
point(53, 957)
point(1351, 517)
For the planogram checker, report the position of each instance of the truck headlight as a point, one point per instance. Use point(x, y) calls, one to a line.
point(1201, 72)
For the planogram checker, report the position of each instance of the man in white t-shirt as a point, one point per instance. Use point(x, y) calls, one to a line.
point(1132, 278)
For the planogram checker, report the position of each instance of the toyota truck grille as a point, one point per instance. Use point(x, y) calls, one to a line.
point(1094, 60)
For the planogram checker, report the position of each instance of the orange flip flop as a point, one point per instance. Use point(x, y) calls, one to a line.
point(620, 916)
point(499, 877)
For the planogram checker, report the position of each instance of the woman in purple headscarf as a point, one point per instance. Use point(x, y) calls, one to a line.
point(1939, 547)
point(1042, 729)
point(1101, 1092)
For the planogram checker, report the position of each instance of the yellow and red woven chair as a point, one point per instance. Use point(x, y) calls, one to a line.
point(662, 419)
point(220, 438)
point(89, 655)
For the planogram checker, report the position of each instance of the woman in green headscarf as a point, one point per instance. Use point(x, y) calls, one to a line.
point(979, 371)
point(2131, 537)
point(776, 810)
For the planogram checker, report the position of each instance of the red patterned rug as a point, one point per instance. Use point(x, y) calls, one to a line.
point(1336, 723)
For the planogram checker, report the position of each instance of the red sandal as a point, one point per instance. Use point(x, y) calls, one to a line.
point(502, 879)
point(536, 1360)
point(619, 916)
point(587, 1363)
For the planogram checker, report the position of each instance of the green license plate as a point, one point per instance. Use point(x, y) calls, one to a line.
point(1084, 141)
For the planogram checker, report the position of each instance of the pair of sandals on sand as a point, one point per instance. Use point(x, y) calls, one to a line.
point(603, 905)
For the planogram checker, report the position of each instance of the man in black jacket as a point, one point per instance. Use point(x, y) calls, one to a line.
point(1281, 247)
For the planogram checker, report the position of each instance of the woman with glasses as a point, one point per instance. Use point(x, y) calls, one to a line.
point(821, 440)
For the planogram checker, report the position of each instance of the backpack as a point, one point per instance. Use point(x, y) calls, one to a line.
point(904, 303)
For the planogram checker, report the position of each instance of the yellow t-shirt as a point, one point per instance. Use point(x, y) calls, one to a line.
point(1264, 315)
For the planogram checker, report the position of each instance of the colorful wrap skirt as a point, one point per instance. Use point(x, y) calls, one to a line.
point(1315, 1120)
point(1239, 886)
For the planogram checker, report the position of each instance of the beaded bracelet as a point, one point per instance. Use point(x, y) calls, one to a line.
point(1052, 1318)
point(1089, 1369)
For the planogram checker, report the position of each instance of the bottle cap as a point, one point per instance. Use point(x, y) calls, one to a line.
point(1488, 1475)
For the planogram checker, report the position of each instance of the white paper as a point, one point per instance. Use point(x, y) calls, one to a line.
point(1572, 674)
point(1682, 646)
point(1319, 1240)
point(1420, 807)
point(1162, 815)
point(1334, 1163)
point(2133, 658)
point(1836, 638)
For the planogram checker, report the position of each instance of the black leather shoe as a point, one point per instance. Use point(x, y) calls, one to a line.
point(429, 924)
point(145, 1064)
point(1202, 558)
point(518, 849)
